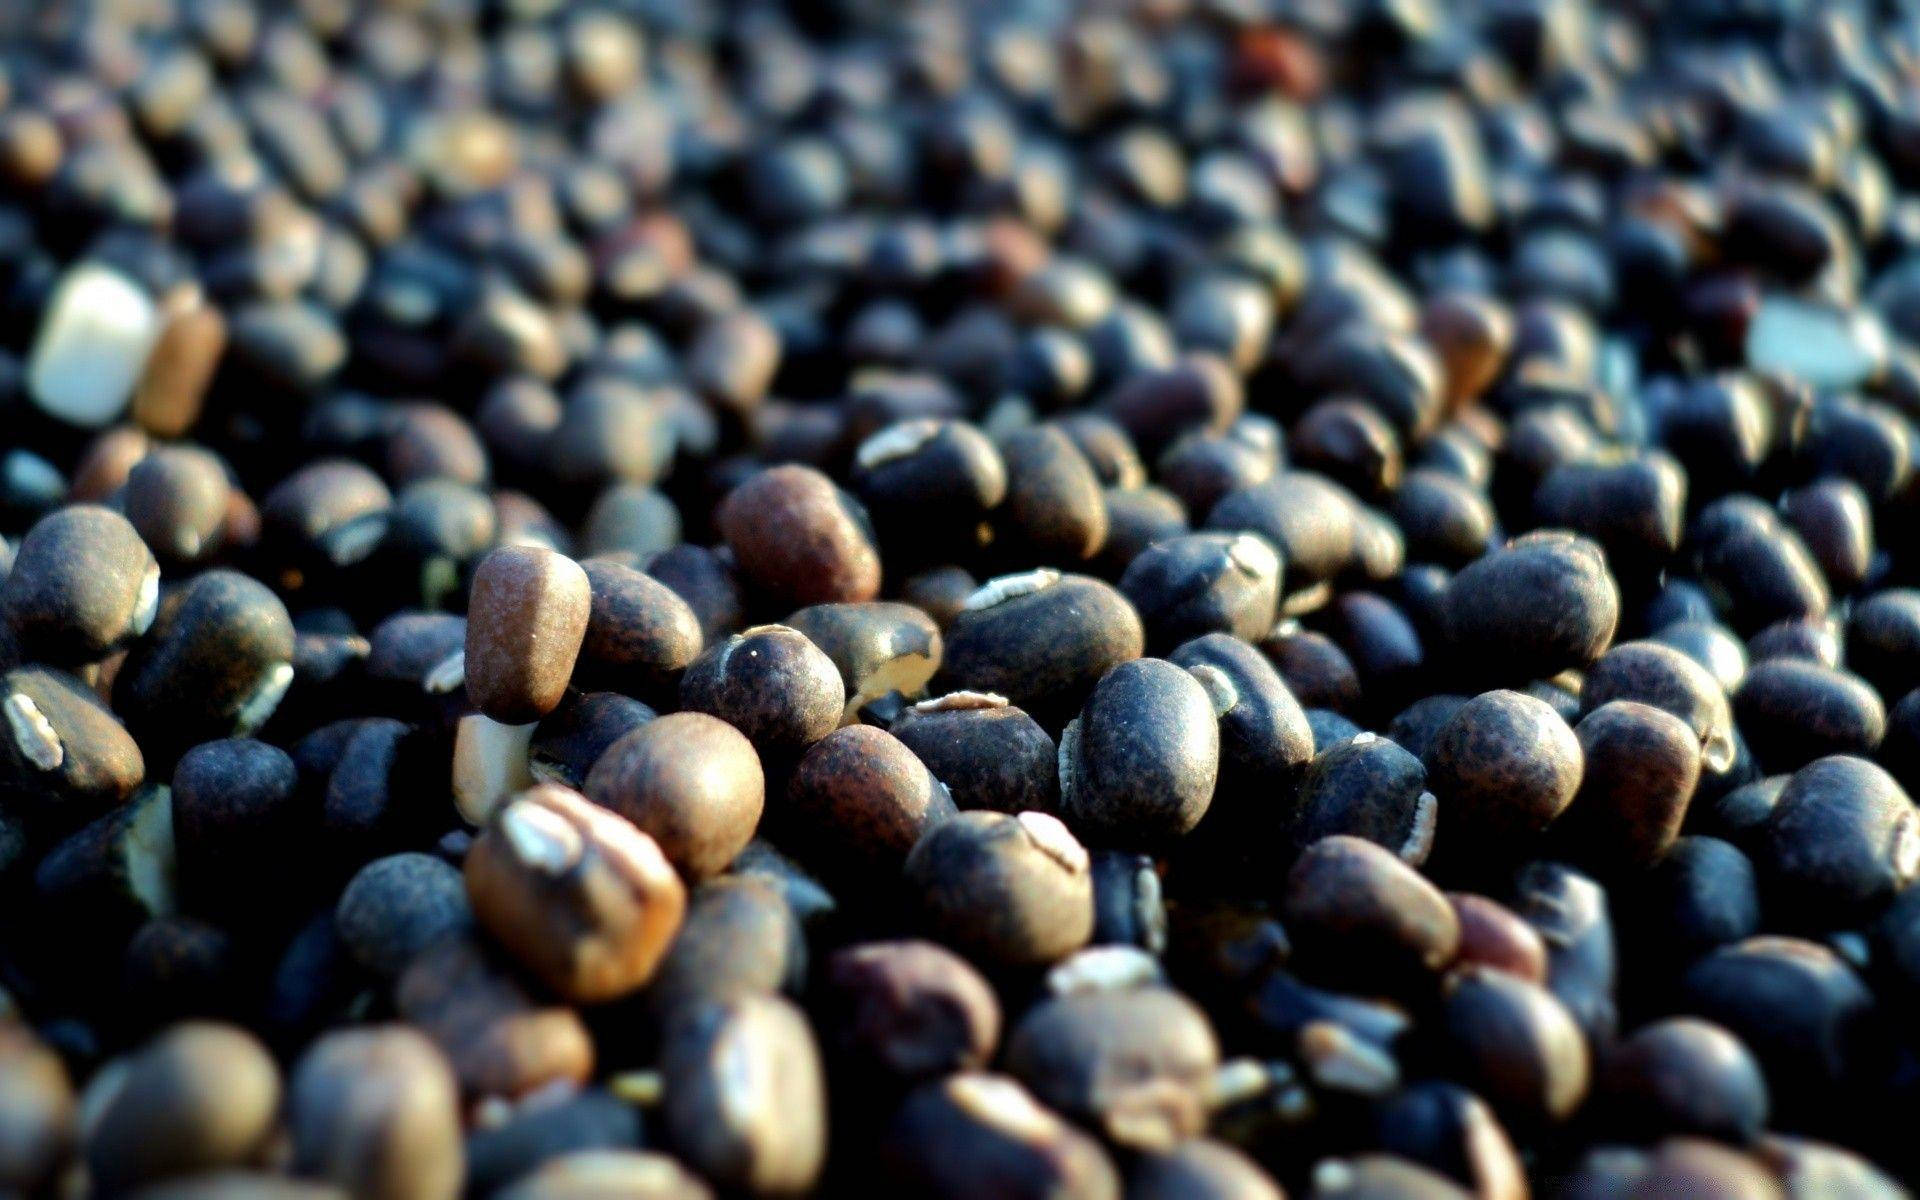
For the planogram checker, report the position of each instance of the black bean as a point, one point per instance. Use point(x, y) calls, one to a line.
point(215, 664)
point(1312, 522)
point(1138, 765)
point(974, 1134)
point(1792, 711)
point(640, 635)
point(1503, 767)
point(496, 1037)
point(1571, 913)
point(770, 682)
point(691, 782)
point(1264, 736)
point(1069, 1052)
point(1543, 604)
point(1641, 765)
point(1702, 895)
point(1362, 916)
point(859, 800)
point(1367, 787)
point(513, 1158)
point(1683, 1076)
point(1202, 1169)
point(1005, 890)
point(988, 753)
point(82, 583)
point(566, 743)
point(1450, 1130)
point(65, 758)
point(739, 938)
point(1203, 583)
point(878, 647)
point(1054, 511)
point(1800, 1010)
point(1042, 640)
point(396, 907)
point(1515, 1045)
point(1842, 839)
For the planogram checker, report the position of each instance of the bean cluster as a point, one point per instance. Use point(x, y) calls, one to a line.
point(662, 599)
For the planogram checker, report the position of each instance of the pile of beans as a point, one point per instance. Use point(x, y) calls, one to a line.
point(667, 599)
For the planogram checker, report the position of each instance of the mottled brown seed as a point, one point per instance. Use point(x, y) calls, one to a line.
point(799, 538)
point(745, 1095)
point(1641, 766)
point(1363, 916)
point(376, 1111)
point(860, 800)
point(526, 618)
point(199, 1096)
point(1493, 935)
point(691, 782)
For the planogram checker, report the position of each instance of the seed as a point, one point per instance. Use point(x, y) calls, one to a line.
point(988, 753)
point(82, 583)
point(908, 1010)
point(689, 781)
point(1641, 766)
point(570, 739)
point(860, 800)
point(376, 1112)
point(640, 635)
point(799, 538)
point(199, 1096)
point(93, 342)
point(771, 683)
point(1515, 1045)
point(1543, 604)
point(745, 1097)
point(1053, 511)
point(1363, 915)
point(1203, 583)
point(1200, 1167)
point(877, 648)
point(1842, 838)
point(525, 622)
point(490, 763)
point(498, 1039)
point(1503, 767)
point(1793, 712)
point(586, 901)
point(64, 754)
point(740, 938)
point(1450, 1130)
point(215, 664)
point(1069, 1052)
point(974, 1134)
point(1492, 935)
point(583, 1174)
point(1370, 788)
point(1041, 640)
point(1139, 763)
point(1684, 1076)
point(1003, 889)
point(397, 906)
